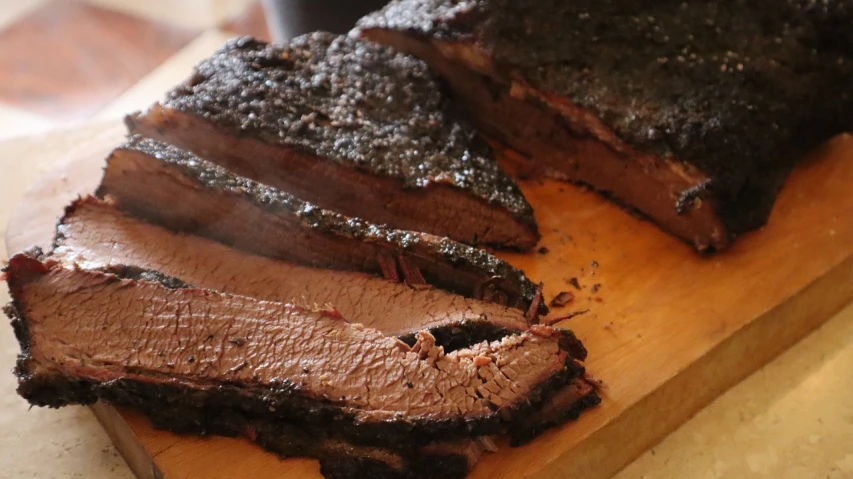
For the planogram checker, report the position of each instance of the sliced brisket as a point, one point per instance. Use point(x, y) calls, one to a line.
point(173, 188)
point(351, 126)
point(87, 335)
point(693, 113)
point(96, 235)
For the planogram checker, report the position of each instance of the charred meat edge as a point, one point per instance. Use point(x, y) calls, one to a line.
point(316, 113)
point(171, 187)
point(50, 387)
point(565, 405)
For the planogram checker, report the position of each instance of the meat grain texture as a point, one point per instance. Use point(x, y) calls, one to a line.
point(96, 235)
point(88, 335)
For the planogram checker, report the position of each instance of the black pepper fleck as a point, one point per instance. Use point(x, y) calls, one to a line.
point(574, 282)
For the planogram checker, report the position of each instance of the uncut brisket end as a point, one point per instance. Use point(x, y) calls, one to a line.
point(87, 335)
point(96, 235)
point(173, 188)
point(692, 113)
point(351, 126)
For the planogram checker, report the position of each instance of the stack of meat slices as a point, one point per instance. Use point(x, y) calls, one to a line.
point(351, 127)
point(216, 303)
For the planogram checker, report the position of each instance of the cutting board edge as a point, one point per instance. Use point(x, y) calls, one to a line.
point(128, 444)
point(587, 459)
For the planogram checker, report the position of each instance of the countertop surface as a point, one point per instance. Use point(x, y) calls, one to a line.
point(791, 419)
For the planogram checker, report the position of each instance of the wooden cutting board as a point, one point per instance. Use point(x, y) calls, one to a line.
point(667, 329)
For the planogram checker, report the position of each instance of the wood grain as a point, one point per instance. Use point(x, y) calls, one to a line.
point(68, 59)
point(667, 330)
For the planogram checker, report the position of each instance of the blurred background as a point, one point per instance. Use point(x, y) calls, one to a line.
point(65, 62)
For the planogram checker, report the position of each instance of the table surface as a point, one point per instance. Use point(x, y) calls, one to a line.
point(791, 419)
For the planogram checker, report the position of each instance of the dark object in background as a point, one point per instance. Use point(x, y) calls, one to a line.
point(290, 18)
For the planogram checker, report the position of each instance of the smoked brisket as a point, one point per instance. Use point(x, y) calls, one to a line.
point(692, 113)
point(351, 126)
point(96, 235)
point(199, 290)
point(173, 188)
point(88, 335)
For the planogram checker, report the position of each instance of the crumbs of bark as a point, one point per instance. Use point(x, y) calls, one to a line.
point(595, 288)
point(562, 299)
point(574, 282)
point(544, 250)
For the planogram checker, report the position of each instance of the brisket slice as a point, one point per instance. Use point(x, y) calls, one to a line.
point(96, 235)
point(350, 126)
point(693, 113)
point(168, 186)
point(88, 335)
